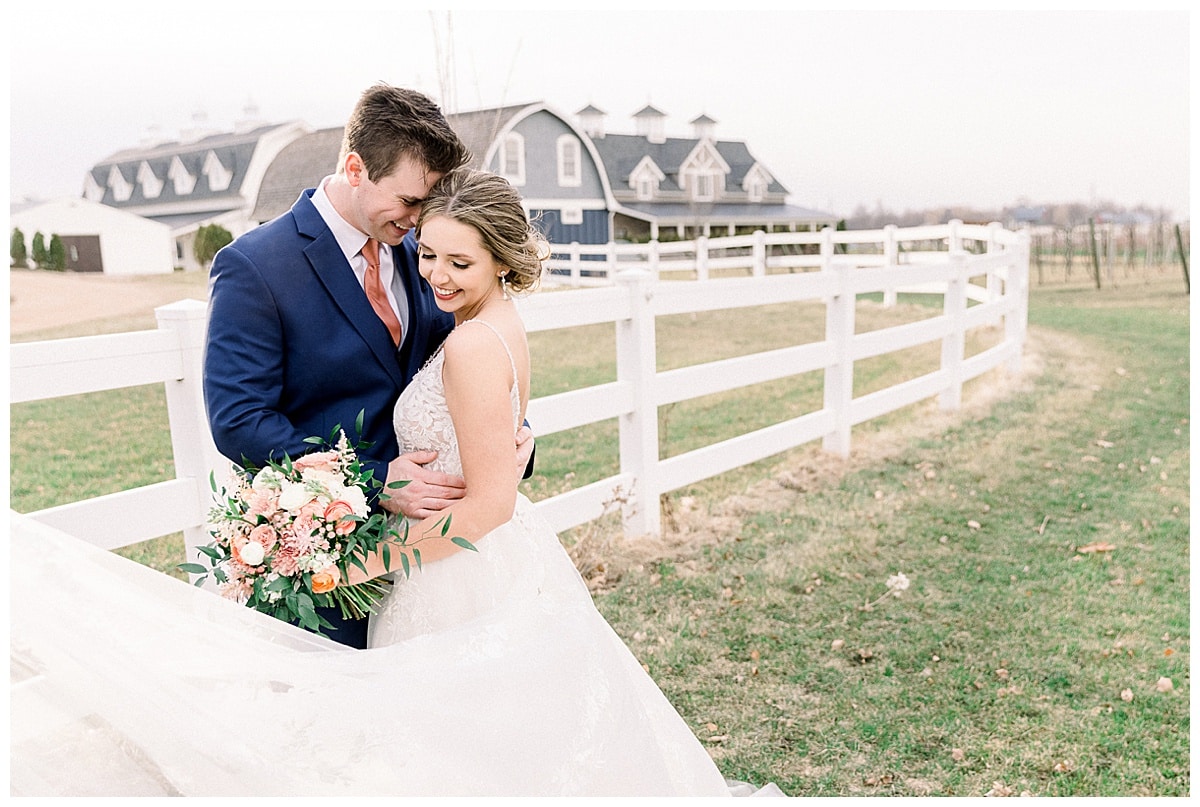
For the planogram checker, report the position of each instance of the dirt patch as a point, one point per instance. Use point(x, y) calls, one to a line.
point(41, 301)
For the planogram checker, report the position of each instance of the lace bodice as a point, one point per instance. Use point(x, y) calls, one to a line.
point(422, 417)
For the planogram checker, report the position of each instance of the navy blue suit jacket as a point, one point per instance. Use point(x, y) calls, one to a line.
point(295, 349)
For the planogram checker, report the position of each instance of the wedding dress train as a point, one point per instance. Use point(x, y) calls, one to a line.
point(491, 673)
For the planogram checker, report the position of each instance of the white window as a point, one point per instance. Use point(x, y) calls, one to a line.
point(645, 179)
point(704, 174)
point(120, 187)
point(756, 183)
point(180, 178)
point(92, 190)
point(572, 215)
point(570, 171)
point(218, 175)
point(512, 159)
point(151, 185)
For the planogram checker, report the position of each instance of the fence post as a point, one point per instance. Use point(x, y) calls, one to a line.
point(954, 342)
point(1018, 286)
point(611, 269)
point(759, 266)
point(993, 245)
point(702, 257)
point(637, 366)
point(839, 334)
point(891, 259)
point(576, 272)
point(652, 259)
point(954, 237)
point(196, 456)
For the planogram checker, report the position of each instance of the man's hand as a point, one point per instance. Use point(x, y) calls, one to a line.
point(427, 492)
point(524, 449)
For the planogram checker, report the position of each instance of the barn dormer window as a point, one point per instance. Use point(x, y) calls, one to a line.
point(181, 179)
point(218, 175)
point(703, 173)
point(120, 187)
point(645, 179)
point(151, 185)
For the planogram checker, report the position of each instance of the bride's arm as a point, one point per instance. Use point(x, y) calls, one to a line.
point(477, 377)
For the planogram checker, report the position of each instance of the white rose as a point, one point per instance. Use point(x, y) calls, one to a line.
point(331, 482)
point(357, 500)
point(252, 553)
point(294, 496)
point(267, 479)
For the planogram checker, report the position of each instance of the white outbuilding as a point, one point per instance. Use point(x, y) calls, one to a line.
point(100, 238)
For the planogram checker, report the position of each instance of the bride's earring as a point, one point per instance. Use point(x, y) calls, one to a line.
point(504, 285)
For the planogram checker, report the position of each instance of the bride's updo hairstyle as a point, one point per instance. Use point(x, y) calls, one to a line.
point(488, 203)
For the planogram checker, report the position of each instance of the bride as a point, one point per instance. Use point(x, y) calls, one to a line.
point(488, 673)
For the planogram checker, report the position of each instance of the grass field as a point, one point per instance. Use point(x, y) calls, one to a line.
point(993, 602)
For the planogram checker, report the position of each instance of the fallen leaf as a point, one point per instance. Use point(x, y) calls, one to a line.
point(711, 727)
point(837, 644)
point(957, 754)
point(1165, 685)
point(1127, 695)
point(1168, 652)
point(999, 789)
point(1098, 546)
point(1104, 444)
point(973, 524)
point(1064, 766)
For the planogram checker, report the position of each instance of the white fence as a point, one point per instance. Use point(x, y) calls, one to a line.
point(985, 286)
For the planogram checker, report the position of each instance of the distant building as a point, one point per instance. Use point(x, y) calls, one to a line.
point(582, 183)
point(203, 177)
point(99, 238)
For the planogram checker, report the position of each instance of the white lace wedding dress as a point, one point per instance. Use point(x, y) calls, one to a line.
point(529, 681)
point(492, 674)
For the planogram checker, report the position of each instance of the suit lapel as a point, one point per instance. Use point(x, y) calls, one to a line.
point(330, 265)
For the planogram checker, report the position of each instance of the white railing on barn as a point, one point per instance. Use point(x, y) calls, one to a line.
point(632, 297)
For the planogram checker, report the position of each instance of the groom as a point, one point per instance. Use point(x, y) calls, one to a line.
point(295, 343)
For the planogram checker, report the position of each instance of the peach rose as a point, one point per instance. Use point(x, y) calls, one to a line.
point(325, 580)
point(320, 460)
point(265, 535)
point(336, 513)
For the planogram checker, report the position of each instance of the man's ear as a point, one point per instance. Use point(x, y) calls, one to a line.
point(354, 169)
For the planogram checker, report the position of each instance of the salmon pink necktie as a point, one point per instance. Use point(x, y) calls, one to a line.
point(375, 291)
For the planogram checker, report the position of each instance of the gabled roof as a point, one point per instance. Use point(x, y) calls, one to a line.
point(620, 154)
point(234, 150)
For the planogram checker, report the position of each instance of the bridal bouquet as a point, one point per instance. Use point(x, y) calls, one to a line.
point(284, 536)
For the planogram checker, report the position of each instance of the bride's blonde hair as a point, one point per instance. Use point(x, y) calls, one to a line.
point(491, 205)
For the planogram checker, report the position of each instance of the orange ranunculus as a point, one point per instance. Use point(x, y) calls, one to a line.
point(336, 513)
point(325, 581)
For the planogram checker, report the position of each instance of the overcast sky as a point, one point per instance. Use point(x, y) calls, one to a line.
point(903, 108)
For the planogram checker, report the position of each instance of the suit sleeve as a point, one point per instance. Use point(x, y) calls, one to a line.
point(243, 366)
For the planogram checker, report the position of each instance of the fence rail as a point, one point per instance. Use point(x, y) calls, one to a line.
point(984, 286)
